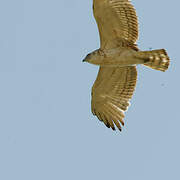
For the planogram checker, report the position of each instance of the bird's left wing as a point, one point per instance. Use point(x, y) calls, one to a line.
point(111, 93)
point(117, 22)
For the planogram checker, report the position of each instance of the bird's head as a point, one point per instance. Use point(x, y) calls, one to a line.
point(92, 57)
point(88, 58)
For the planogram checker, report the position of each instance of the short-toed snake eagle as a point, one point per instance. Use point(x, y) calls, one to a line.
point(117, 57)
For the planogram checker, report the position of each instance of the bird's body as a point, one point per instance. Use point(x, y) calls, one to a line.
point(117, 58)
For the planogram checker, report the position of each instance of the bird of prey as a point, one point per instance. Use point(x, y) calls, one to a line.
point(117, 58)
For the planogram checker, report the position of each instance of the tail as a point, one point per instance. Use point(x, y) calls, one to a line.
point(155, 59)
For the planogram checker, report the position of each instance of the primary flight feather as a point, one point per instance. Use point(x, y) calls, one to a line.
point(117, 57)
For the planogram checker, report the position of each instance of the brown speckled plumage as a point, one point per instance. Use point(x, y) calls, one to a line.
point(117, 57)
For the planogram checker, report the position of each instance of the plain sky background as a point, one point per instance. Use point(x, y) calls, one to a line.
point(47, 130)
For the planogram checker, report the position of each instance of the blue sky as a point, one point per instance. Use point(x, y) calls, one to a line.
point(47, 130)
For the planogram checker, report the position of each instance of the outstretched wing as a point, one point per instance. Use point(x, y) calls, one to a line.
point(111, 93)
point(117, 22)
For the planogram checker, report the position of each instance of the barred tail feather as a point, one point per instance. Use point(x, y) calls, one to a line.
point(156, 59)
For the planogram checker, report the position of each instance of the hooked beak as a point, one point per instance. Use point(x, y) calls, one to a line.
point(84, 60)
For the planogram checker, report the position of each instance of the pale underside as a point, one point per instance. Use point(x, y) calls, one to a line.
point(114, 86)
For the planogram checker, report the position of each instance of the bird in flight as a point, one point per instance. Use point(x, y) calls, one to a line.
point(117, 58)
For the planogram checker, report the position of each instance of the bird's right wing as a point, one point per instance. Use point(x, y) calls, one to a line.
point(111, 93)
